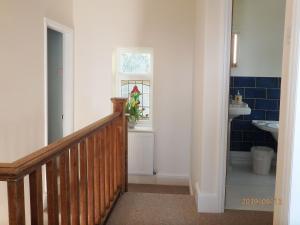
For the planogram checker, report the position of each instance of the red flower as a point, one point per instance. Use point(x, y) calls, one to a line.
point(135, 90)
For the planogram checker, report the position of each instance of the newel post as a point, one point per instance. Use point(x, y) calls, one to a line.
point(119, 106)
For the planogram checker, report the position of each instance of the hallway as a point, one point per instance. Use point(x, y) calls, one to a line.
point(136, 208)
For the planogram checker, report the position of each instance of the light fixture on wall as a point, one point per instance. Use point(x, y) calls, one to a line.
point(234, 50)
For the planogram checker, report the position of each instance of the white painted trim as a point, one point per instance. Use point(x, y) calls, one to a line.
point(222, 138)
point(206, 202)
point(191, 186)
point(288, 116)
point(241, 158)
point(161, 179)
point(68, 78)
point(284, 214)
point(245, 158)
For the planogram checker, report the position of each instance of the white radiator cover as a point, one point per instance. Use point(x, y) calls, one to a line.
point(140, 153)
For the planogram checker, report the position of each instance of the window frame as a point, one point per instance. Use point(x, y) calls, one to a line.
point(137, 77)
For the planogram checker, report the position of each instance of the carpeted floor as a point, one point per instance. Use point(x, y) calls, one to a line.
point(237, 217)
point(176, 209)
point(154, 209)
point(160, 189)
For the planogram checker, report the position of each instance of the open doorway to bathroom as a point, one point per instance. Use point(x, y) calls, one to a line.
point(255, 81)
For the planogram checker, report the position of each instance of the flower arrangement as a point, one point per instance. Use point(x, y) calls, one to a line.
point(133, 107)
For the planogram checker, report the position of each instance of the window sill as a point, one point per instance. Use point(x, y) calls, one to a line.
point(141, 129)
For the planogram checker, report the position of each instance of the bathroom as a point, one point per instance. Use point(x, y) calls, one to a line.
point(255, 80)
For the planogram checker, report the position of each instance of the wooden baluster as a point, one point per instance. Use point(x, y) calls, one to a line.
point(111, 182)
point(16, 205)
point(36, 197)
point(125, 154)
point(115, 156)
point(102, 172)
point(107, 166)
point(97, 200)
point(64, 188)
point(119, 156)
point(123, 158)
point(74, 182)
point(52, 192)
point(83, 184)
point(91, 146)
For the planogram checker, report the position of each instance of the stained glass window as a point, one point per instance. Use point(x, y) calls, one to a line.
point(144, 88)
point(135, 63)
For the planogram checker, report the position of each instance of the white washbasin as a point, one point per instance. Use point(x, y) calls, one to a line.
point(236, 110)
point(270, 126)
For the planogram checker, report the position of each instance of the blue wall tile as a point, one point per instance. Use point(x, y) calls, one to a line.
point(267, 82)
point(244, 81)
point(231, 81)
point(272, 115)
point(236, 136)
point(262, 94)
point(256, 115)
point(273, 93)
point(249, 136)
point(266, 104)
point(255, 92)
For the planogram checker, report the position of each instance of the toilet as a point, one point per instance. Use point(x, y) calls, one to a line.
point(262, 159)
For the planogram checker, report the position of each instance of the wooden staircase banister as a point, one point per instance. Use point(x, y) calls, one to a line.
point(11, 171)
point(90, 165)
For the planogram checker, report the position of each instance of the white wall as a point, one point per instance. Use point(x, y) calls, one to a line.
point(167, 26)
point(21, 76)
point(209, 117)
point(260, 26)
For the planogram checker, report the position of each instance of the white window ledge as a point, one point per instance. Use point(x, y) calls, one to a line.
point(141, 129)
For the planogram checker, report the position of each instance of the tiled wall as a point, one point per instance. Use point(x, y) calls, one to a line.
point(262, 94)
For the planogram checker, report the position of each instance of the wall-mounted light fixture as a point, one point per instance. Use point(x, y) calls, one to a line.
point(234, 50)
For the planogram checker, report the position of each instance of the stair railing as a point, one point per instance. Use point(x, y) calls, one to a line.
point(85, 174)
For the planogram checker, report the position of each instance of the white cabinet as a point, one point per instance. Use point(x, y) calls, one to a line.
point(140, 153)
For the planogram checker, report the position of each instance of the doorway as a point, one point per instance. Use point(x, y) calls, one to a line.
point(58, 81)
point(55, 85)
point(255, 86)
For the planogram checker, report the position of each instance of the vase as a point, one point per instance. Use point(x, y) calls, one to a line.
point(131, 124)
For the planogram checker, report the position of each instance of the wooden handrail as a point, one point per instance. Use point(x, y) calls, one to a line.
point(91, 166)
point(11, 171)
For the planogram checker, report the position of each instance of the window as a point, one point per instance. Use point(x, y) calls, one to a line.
point(135, 68)
point(144, 88)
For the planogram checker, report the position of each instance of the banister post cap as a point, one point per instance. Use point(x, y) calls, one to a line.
point(119, 104)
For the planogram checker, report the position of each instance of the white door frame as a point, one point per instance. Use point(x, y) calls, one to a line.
point(286, 211)
point(68, 76)
point(287, 193)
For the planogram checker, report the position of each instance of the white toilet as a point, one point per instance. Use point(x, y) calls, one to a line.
point(262, 159)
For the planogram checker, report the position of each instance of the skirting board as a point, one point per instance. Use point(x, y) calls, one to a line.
point(206, 202)
point(161, 179)
point(244, 158)
point(241, 158)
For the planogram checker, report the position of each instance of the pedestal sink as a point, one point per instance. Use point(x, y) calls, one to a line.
point(270, 126)
point(235, 110)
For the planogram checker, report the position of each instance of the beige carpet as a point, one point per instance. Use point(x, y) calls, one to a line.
point(176, 209)
point(160, 189)
point(236, 217)
point(154, 209)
